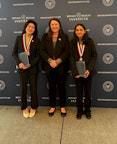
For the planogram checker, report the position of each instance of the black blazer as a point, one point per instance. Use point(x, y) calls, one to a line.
point(34, 53)
point(61, 51)
point(90, 56)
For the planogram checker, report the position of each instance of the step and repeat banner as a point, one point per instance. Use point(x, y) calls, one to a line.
point(99, 17)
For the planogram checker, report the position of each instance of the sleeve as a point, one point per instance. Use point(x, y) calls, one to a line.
point(37, 53)
point(72, 61)
point(43, 49)
point(92, 63)
point(15, 52)
point(66, 51)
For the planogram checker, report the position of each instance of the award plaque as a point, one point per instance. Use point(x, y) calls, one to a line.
point(24, 58)
point(81, 67)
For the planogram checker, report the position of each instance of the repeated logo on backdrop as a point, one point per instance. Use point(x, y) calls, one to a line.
point(79, 17)
point(108, 86)
point(108, 58)
point(108, 30)
point(50, 4)
point(2, 85)
point(101, 26)
point(0, 33)
point(22, 19)
point(108, 2)
point(1, 59)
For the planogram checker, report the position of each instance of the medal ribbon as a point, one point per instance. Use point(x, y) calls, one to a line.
point(81, 49)
point(26, 48)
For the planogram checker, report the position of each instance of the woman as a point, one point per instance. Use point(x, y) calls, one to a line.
point(82, 50)
point(29, 43)
point(55, 52)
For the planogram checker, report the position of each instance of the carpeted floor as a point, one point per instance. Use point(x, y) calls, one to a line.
point(42, 129)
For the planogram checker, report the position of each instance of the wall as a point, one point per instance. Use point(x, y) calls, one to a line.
point(99, 17)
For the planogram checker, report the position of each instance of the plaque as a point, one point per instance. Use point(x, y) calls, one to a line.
point(81, 67)
point(24, 58)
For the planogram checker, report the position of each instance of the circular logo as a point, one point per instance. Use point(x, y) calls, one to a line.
point(78, 14)
point(50, 4)
point(107, 2)
point(0, 33)
point(108, 58)
point(2, 85)
point(1, 59)
point(108, 30)
point(108, 86)
point(23, 17)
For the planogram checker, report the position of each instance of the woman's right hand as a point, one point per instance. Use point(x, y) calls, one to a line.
point(22, 66)
point(77, 76)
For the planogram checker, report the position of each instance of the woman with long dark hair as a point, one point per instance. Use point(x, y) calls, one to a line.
point(29, 43)
point(82, 54)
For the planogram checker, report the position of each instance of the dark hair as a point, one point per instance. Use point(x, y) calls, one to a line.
point(35, 34)
point(50, 31)
point(85, 37)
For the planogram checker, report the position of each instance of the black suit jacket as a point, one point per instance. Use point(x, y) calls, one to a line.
point(34, 53)
point(61, 51)
point(90, 56)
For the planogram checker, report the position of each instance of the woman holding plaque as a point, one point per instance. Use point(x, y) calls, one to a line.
point(83, 58)
point(27, 48)
point(55, 52)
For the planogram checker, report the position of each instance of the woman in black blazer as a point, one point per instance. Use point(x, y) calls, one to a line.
point(55, 52)
point(82, 49)
point(28, 42)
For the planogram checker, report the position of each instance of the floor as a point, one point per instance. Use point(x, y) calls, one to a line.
point(42, 129)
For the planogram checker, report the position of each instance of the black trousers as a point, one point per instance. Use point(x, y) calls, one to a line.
point(83, 87)
point(57, 81)
point(25, 78)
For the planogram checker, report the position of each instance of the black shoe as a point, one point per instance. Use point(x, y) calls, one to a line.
point(51, 113)
point(88, 115)
point(63, 114)
point(79, 115)
point(63, 111)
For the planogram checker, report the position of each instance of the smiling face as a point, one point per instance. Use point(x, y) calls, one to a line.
point(55, 26)
point(30, 29)
point(80, 31)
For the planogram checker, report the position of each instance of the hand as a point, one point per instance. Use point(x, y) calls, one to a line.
point(26, 67)
point(86, 73)
point(22, 66)
point(53, 63)
point(77, 76)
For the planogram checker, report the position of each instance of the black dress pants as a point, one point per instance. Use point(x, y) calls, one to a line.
point(83, 87)
point(57, 81)
point(25, 78)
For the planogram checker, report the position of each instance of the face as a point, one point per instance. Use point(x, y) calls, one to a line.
point(30, 29)
point(80, 31)
point(55, 26)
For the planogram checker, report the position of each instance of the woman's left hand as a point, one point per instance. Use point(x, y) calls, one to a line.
point(26, 67)
point(86, 73)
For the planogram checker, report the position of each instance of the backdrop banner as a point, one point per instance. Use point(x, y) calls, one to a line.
point(99, 17)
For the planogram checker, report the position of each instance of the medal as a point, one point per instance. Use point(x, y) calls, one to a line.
point(81, 49)
point(27, 48)
point(81, 59)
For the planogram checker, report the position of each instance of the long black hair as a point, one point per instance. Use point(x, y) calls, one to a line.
point(35, 34)
point(85, 37)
